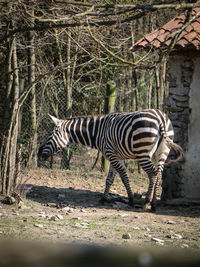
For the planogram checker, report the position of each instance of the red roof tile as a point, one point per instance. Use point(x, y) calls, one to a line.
point(161, 38)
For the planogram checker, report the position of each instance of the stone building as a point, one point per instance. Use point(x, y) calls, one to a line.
point(181, 181)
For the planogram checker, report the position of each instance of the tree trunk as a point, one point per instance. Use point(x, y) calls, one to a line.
point(32, 161)
point(134, 95)
point(8, 156)
point(6, 117)
point(68, 77)
point(157, 89)
point(150, 94)
point(109, 107)
point(66, 153)
point(162, 83)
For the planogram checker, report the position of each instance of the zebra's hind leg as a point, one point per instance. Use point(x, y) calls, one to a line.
point(160, 157)
point(149, 168)
point(150, 193)
point(158, 179)
point(109, 181)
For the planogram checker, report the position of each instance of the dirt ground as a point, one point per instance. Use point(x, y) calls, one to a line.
point(63, 206)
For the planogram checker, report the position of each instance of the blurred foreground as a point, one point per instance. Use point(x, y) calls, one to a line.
point(23, 253)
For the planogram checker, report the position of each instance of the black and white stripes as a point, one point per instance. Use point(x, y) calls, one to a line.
point(138, 135)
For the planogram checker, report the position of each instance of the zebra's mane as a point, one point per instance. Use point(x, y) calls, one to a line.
point(82, 117)
point(95, 115)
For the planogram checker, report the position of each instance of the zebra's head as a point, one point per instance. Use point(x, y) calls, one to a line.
point(55, 141)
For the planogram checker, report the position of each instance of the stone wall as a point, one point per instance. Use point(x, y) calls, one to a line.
point(180, 73)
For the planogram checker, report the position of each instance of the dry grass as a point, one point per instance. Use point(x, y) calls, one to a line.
point(90, 222)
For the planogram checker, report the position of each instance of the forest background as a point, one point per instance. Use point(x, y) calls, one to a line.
point(66, 58)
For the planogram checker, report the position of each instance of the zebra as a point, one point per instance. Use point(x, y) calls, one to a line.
point(138, 135)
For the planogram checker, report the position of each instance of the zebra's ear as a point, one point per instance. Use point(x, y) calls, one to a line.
point(54, 119)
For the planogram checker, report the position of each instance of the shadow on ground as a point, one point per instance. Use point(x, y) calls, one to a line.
point(61, 197)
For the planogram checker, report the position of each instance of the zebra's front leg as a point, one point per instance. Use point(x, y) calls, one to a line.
point(109, 181)
point(119, 166)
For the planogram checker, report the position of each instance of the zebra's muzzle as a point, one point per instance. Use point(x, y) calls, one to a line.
point(42, 154)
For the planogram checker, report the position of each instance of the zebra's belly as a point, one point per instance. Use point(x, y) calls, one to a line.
point(136, 151)
point(133, 155)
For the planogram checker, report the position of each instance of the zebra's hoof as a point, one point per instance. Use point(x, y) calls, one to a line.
point(131, 203)
point(146, 207)
point(153, 208)
point(104, 200)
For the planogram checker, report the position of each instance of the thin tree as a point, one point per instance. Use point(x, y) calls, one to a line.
point(31, 77)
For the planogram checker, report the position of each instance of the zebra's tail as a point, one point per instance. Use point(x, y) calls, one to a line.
point(178, 149)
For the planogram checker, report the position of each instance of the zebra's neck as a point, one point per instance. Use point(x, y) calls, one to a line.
point(84, 130)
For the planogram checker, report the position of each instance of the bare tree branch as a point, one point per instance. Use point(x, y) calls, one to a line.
point(112, 54)
point(131, 6)
point(61, 18)
point(105, 7)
